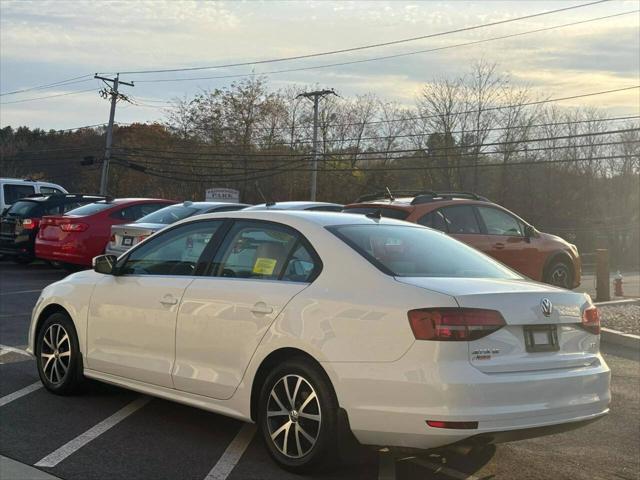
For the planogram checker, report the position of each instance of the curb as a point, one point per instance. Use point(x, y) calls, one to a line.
point(621, 339)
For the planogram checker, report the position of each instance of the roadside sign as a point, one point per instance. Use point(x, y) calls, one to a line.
point(229, 195)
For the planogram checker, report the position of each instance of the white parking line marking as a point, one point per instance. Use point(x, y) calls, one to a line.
point(21, 291)
point(386, 465)
point(449, 472)
point(94, 432)
point(233, 453)
point(6, 349)
point(20, 393)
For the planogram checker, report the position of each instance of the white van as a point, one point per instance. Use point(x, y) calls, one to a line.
point(11, 189)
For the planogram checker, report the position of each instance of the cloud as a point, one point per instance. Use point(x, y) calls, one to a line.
point(45, 41)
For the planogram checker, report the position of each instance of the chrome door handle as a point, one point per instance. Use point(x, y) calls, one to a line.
point(499, 246)
point(262, 308)
point(168, 300)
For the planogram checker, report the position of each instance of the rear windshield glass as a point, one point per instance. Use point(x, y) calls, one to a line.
point(90, 209)
point(168, 215)
point(385, 212)
point(419, 252)
point(24, 209)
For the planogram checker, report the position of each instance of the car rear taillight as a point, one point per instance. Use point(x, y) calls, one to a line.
point(142, 237)
point(113, 238)
point(454, 324)
point(30, 223)
point(591, 320)
point(73, 227)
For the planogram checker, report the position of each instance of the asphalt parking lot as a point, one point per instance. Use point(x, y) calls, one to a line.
point(108, 432)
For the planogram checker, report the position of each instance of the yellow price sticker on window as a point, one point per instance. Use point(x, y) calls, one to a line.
point(264, 266)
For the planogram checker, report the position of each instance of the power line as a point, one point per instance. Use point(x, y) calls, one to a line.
point(201, 178)
point(385, 57)
point(411, 150)
point(68, 81)
point(202, 163)
point(365, 47)
point(289, 143)
point(453, 114)
point(49, 96)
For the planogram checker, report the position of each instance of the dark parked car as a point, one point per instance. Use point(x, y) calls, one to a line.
point(21, 221)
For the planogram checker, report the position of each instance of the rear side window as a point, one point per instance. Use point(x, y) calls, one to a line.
point(169, 214)
point(435, 220)
point(461, 219)
point(406, 251)
point(49, 190)
point(25, 209)
point(90, 209)
point(14, 192)
point(385, 212)
point(134, 212)
point(265, 251)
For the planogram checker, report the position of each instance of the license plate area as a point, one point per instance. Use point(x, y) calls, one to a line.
point(541, 338)
point(127, 241)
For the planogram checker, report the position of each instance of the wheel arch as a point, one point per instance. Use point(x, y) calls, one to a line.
point(46, 313)
point(275, 358)
point(558, 256)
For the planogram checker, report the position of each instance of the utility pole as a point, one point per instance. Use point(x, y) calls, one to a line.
point(315, 97)
point(115, 96)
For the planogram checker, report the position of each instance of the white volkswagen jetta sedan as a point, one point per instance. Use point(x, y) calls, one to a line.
point(307, 321)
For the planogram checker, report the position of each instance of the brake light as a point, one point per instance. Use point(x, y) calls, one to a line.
point(30, 223)
point(457, 425)
point(113, 238)
point(73, 227)
point(454, 324)
point(142, 237)
point(591, 320)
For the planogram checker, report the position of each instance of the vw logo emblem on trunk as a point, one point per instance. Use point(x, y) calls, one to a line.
point(546, 306)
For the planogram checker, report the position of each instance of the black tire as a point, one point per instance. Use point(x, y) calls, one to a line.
point(304, 456)
point(58, 375)
point(560, 274)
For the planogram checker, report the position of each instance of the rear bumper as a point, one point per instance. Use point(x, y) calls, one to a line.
point(20, 246)
point(61, 252)
point(388, 404)
point(115, 251)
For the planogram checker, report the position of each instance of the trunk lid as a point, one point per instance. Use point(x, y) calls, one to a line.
point(123, 237)
point(530, 340)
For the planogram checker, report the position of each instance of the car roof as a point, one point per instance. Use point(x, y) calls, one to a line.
point(205, 205)
point(60, 197)
point(301, 217)
point(294, 205)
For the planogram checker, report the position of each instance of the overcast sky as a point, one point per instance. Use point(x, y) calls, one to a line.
point(47, 41)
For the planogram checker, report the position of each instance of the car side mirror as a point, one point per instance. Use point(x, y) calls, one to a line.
point(104, 264)
point(529, 231)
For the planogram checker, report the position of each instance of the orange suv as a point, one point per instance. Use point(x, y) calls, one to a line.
point(490, 228)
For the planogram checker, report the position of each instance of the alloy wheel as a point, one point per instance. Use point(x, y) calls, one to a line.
point(55, 353)
point(560, 277)
point(294, 417)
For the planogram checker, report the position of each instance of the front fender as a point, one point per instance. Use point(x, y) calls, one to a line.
point(73, 294)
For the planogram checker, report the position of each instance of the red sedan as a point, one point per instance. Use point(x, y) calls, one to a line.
point(83, 233)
